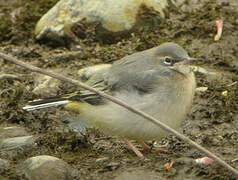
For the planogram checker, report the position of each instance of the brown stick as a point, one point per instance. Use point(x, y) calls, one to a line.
point(123, 104)
point(135, 149)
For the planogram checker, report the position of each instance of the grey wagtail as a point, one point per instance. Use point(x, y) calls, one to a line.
point(158, 81)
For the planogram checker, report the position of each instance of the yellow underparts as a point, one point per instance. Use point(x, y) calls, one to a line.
point(75, 106)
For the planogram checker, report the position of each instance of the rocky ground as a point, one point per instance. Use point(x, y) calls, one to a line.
point(212, 122)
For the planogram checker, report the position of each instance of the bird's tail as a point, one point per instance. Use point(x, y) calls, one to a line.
point(45, 103)
point(86, 96)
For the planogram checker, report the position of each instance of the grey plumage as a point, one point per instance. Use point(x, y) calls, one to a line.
point(154, 81)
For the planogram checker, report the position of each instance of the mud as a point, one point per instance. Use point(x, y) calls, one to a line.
point(212, 121)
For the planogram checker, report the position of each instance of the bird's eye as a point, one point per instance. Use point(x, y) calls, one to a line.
point(168, 61)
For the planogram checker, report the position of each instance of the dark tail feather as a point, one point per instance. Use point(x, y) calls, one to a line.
point(47, 100)
point(45, 103)
point(89, 97)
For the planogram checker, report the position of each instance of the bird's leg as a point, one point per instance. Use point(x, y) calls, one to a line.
point(146, 147)
point(135, 149)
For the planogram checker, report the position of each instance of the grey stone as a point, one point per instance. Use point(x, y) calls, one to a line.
point(47, 168)
point(113, 166)
point(201, 89)
point(79, 124)
point(114, 16)
point(103, 159)
point(16, 142)
point(102, 144)
point(4, 163)
point(12, 131)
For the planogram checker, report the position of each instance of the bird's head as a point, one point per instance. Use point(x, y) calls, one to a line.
point(174, 57)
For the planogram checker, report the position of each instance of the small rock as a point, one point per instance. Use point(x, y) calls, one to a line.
point(78, 48)
point(79, 124)
point(201, 89)
point(113, 17)
point(224, 93)
point(16, 142)
point(12, 131)
point(112, 166)
point(102, 145)
point(103, 159)
point(4, 163)
point(47, 168)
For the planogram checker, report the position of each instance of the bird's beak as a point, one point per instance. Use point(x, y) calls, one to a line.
point(189, 60)
point(182, 66)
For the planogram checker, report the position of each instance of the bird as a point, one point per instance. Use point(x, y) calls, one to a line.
point(158, 81)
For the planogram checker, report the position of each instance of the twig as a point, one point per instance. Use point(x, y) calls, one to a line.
point(234, 160)
point(9, 76)
point(232, 84)
point(123, 104)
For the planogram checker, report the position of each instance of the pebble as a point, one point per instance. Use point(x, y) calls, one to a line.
point(224, 93)
point(112, 166)
point(4, 163)
point(201, 89)
point(47, 168)
point(16, 142)
point(79, 124)
point(102, 145)
point(113, 16)
point(12, 131)
point(101, 160)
